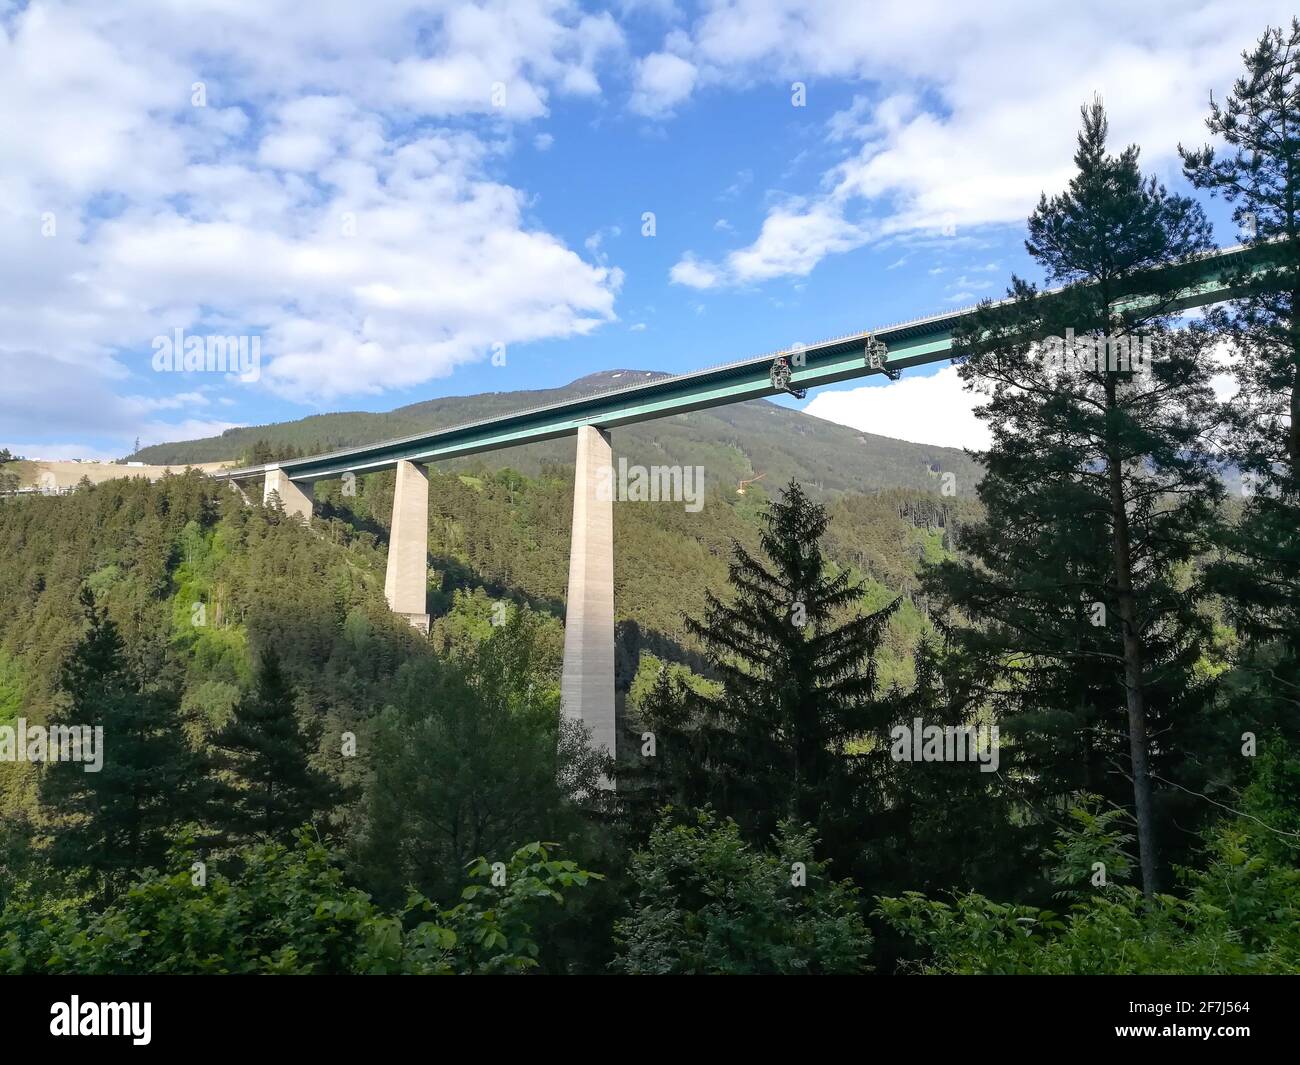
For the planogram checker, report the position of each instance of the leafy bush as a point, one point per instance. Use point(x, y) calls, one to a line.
point(1241, 915)
point(289, 911)
point(707, 902)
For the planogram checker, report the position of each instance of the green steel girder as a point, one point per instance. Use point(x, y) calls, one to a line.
point(908, 344)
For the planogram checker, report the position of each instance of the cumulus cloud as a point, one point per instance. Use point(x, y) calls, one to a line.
point(970, 138)
point(314, 200)
point(694, 274)
point(793, 240)
point(930, 409)
point(40, 388)
point(663, 80)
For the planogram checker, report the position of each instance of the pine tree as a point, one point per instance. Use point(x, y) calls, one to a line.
point(274, 790)
point(796, 660)
point(1259, 577)
point(118, 821)
point(1099, 490)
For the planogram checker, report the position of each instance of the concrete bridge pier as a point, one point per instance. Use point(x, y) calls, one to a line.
point(587, 684)
point(295, 498)
point(407, 579)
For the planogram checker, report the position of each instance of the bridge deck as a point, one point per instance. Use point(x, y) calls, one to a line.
point(913, 343)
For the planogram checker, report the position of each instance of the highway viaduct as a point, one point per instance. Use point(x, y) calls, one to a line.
point(587, 687)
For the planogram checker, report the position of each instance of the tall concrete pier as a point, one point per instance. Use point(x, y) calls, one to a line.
point(407, 578)
point(295, 498)
point(587, 686)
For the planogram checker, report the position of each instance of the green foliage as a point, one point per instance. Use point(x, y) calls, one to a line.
point(648, 675)
point(115, 821)
point(1118, 933)
point(1273, 799)
point(472, 757)
point(12, 685)
point(767, 706)
point(274, 787)
point(940, 825)
point(1098, 493)
point(1240, 913)
point(707, 902)
point(795, 658)
point(1259, 175)
point(289, 911)
point(1097, 834)
point(1258, 575)
point(494, 923)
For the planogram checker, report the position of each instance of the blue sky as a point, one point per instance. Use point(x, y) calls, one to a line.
point(385, 194)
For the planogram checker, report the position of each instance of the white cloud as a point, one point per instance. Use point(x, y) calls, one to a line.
point(744, 179)
point(594, 242)
point(315, 201)
point(931, 409)
point(188, 429)
point(793, 240)
point(663, 80)
point(341, 194)
point(693, 274)
point(59, 452)
point(40, 389)
point(973, 138)
point(1224, 383)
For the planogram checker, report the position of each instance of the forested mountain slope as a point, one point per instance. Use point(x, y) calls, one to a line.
point(196, 581)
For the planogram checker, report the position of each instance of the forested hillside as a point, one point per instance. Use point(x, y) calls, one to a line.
point(153, 554)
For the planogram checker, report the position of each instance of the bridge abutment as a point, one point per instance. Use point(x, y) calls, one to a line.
point(407, 579)
point(587, 685)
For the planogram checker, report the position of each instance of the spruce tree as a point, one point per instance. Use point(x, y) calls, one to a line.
point(795, 656)
point(118, 821)
point(1259, 575)
point(1099, 489)
point(274, 789)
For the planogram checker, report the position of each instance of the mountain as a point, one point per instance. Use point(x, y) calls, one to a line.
point(732, 443)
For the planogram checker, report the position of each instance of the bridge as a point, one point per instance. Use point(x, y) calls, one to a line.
point(587, 687)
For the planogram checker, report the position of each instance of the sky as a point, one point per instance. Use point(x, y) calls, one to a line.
point(394, 200)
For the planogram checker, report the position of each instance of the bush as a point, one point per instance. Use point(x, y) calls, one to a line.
point(707, 902)
point(1241, 915)
point(289, 911)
